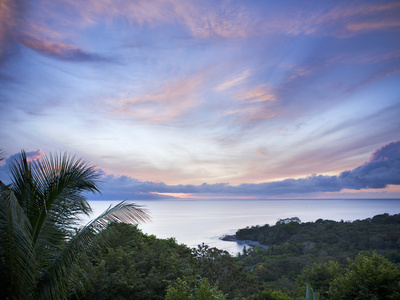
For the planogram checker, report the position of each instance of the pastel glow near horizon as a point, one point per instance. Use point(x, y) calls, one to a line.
point(208, 99)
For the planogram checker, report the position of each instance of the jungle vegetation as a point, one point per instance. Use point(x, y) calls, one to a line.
point(134, 265)
point(323, 247)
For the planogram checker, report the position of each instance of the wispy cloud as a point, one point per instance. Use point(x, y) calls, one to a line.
point(368, 26)
point(392, 70)
point(10, 16)
point(207, 21)
point(61, 50)
point(233, 82)
point(256, 94)
point(342, 20)
point(167, 102)
point(234, 20)
point(248, 113)
point(18, 25)
point(248, 102)
point(201, 20)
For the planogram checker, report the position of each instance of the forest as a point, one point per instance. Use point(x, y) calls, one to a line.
point(301, 253)
point(352, 260)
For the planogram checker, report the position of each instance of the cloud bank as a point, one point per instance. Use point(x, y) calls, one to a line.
point(5, 164)
point(381, 170)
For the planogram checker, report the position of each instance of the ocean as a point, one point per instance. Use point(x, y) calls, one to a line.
point(193, 222)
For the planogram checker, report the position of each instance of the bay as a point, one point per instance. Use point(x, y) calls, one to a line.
point(193, 222)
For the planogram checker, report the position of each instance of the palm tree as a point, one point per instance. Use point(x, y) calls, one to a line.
point(39, 217)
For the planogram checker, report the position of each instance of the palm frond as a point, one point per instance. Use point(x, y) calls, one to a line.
point(38, 213)
point(23, 185)
point(62, 179)
point(87, 238)
point(121, 213)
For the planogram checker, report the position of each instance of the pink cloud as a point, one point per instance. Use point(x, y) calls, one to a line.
point(377, 25)
point(202, 20)
point(207, 21)
point(10, 18)
point(233, 82)
point(168, 102)
point(7, 12)
point(251, 102)
point(382, 170)
point(34, 155)
point(342, 21)
point(6, 164)
point(33, 32)
point(259, 93)
point(59, 50)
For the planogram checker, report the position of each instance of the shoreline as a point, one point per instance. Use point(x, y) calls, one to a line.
point(250, 243)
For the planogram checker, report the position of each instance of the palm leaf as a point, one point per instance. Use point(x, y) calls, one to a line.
point(62, 179)
point(86, 239)
point(23, 185)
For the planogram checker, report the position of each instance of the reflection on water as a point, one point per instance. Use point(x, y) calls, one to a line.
point(193, 222)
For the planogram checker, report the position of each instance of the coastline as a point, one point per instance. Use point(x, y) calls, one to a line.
point(250, 243)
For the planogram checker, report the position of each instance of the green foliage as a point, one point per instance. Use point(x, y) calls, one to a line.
point(200, 289)
point(223, 269)
point(134, 265)
point(319, 276)
point(270, 295)
point(369, 276)
point(39, 214)
point(294, 246)
point(137, 266)
point(381, 232)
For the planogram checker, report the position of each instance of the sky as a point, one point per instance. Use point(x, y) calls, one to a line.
point(207, 99)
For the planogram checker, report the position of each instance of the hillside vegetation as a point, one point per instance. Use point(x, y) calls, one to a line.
point(294, 246)
point(339, 260)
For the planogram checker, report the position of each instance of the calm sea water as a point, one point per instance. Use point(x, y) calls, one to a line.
point(193, 222)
